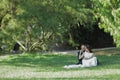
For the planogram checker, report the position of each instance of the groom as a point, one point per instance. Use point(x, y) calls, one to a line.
point(81, 51)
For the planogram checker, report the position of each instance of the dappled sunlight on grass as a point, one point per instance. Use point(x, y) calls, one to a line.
point(35, 66)
point(60, 74)
point(41, 62)
point(47, 61)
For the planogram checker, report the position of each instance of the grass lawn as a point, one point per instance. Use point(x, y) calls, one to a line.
point(37, 66)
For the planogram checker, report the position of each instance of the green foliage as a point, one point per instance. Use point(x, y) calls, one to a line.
point(109, 13)
point(42, 24)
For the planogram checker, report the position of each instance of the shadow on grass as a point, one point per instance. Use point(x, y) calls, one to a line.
point(34, 60)
point(57, 61)
point(109, 61)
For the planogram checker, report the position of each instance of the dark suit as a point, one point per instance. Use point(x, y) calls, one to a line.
point(80, 53)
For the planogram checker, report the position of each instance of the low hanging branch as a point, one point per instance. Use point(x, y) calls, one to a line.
point(20, 44)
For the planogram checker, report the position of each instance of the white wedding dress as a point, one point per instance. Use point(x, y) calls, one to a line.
point(88, 61)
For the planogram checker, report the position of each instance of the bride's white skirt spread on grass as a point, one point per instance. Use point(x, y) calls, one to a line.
point(85, 63)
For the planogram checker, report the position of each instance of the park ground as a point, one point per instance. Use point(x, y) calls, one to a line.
point(49, 66)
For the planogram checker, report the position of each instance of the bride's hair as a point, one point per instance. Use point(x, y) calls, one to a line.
point(88, 47)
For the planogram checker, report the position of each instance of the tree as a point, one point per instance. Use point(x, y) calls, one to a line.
point(42, 24)
point(108, 11)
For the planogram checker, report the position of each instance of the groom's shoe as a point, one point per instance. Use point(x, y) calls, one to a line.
point(79, 63)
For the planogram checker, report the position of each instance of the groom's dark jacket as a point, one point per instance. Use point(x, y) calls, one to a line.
point(80, 52)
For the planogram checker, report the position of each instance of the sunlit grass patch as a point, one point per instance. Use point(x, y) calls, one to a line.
point(50, 67)
point(26, 73)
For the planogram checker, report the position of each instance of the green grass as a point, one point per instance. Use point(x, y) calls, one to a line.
point(39, 66)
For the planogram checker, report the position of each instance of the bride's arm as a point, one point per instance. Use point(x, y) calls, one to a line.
point(90, 57)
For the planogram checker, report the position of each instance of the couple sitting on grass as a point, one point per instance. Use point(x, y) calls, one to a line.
point(86, 58)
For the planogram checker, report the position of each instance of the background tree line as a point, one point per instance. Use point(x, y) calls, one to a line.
point(45, 24)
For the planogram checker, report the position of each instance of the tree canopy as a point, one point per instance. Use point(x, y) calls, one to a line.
point(38, 24)
point(109, 13)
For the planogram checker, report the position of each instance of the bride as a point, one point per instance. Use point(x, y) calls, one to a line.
point(89, 60)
